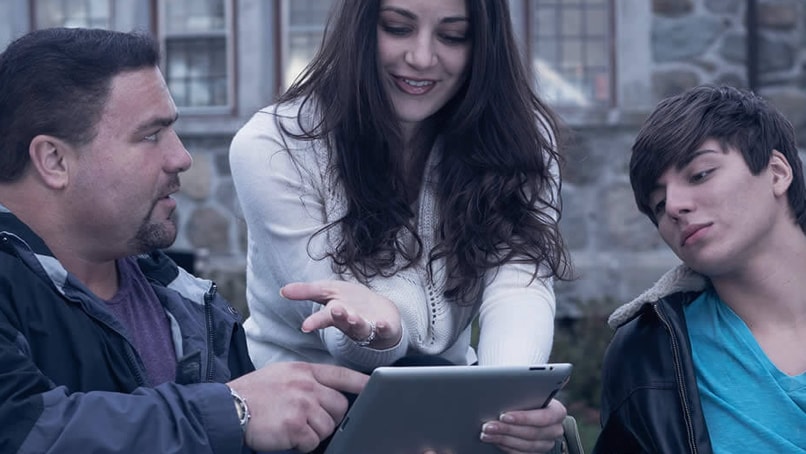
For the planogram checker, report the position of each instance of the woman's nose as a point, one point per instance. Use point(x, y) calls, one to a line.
point(422, 54)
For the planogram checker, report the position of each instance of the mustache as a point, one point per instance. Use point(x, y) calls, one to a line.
point(172, 186)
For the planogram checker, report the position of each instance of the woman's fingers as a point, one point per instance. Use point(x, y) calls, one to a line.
point(361, 314)
point(355, 327)
point(317, 320)
point(527, 431)
point(386, 332)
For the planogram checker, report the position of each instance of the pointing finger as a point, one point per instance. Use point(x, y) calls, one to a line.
point(340, 378)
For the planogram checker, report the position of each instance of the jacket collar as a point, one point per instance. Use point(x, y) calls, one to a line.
point(678, 279)
point(155, 265)
point(12, 224)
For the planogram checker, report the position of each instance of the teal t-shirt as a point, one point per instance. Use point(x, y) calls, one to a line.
point(749, 405)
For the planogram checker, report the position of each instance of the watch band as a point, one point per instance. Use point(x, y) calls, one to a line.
point(241, 408)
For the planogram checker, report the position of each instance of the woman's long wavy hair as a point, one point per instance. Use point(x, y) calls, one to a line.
point(496, 189)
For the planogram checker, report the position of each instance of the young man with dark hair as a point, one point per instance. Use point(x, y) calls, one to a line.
point(105, 344)
point(710, 358)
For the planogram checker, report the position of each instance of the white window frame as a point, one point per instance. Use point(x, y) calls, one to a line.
point(229, 37)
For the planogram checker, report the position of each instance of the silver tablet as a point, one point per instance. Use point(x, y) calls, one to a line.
point(406, 410)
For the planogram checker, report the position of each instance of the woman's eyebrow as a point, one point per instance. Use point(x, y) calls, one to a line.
point(408, 14)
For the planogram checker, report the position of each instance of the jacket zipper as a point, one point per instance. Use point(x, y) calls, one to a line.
point(208, 316)
point(138, 374)
point(678, 369)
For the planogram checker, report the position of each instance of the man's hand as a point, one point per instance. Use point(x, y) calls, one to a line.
point(295, 405)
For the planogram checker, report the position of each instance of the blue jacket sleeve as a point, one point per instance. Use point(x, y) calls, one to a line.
point(39, 417)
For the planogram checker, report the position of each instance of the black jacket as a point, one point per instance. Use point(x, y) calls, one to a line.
point(650, 401)
point(70, 381)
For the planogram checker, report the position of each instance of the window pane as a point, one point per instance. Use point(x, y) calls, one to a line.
point(597, 53)
point(6, 29)
point(571, 56)
point(546, 23)
point(601, 85)
point(547, 49)
point(570, 50)
point(191, 16)
point(308, 12)
point(306, 24)
point(301, 49)
point(559, 87)
point(72, 13)
point(596, 22)
point(196, 71)
point(571, 22)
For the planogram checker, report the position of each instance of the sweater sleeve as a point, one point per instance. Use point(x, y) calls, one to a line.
point(516, 318)
point(283, 188)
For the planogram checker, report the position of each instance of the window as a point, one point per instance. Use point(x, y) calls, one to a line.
point(197, 39)
point(72, 13)
point(303, 25)
point(570, 44)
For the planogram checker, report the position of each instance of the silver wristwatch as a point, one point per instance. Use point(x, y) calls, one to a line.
point(241, 408)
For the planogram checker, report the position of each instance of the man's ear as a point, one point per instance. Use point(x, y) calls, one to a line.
point(49, 160)
point(781, 173)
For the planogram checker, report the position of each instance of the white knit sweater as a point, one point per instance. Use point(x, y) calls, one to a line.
point(285, 201)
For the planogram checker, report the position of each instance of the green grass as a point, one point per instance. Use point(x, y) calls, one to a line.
point(588, 433)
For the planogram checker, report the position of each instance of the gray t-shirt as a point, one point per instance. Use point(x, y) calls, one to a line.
point(137, 307)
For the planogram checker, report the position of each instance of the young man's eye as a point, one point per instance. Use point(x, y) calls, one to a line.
point(659, 208)
point(152, 137)
point(699, 176)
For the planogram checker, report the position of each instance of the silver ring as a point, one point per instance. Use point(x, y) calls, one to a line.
point(371, 337)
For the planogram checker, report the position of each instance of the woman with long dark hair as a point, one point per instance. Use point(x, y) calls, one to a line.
point(406, 184)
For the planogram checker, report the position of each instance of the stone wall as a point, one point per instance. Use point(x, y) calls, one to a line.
point(616, 251)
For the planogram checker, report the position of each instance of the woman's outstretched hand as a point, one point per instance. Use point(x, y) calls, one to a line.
point(354, 309)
